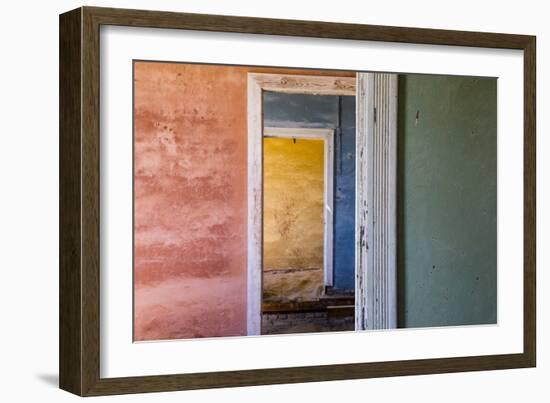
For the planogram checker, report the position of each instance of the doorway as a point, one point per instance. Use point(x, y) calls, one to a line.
point(298, 232)
point(373, 304)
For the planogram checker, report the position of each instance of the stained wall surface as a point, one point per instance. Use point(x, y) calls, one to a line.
point(293, 218)
point(447, 193)
point(190, 209)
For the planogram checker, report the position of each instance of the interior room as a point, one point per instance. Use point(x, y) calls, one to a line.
point(275, 200)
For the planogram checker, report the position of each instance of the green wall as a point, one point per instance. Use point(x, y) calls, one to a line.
point(447, 200)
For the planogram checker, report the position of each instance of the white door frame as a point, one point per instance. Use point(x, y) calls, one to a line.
point(376, 158)
point(327, 135)
point(375, 216)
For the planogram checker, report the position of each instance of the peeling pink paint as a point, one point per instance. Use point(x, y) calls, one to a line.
point(190, 216)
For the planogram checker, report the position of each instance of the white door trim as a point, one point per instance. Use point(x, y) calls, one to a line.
point(376, 270)
point(327, 135)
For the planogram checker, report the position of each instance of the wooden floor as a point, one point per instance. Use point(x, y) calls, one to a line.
point(330, 313)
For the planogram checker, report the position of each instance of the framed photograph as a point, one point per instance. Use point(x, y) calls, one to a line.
point(249, 201)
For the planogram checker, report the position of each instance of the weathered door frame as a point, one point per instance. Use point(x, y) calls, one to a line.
point(375, 208)
point(327, 135)
point(376, 159)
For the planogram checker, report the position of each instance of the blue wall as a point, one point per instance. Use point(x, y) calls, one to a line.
point(327, 111)
point(344, 198)
point(298, 110)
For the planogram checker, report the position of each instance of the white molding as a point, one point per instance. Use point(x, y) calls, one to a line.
point(327, 135)
point(363, 114)
point(255, 200)
point(294, 84)
point(298, 132)
point(376, 286)
point(301, 84)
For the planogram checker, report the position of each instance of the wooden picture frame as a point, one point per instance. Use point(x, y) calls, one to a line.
point(79, 348)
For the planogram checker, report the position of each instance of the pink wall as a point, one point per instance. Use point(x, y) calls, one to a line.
point(190, 200)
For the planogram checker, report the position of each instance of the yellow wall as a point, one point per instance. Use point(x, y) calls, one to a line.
point(293, 203)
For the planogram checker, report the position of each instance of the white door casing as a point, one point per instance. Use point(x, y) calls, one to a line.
point(376, 253)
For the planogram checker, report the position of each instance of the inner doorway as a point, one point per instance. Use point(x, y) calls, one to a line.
point(308, 276)
point(294, 252)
